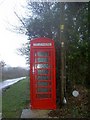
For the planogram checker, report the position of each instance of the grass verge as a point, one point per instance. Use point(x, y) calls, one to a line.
point(15, 99)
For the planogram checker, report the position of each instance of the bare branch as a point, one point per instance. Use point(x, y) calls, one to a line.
point(19, 18)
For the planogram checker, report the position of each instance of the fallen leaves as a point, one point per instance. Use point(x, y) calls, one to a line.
point(76, 107)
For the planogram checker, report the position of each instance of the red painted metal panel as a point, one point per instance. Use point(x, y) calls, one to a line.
point(42, 74)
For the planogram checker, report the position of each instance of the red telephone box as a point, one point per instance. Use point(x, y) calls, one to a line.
point(42, 74)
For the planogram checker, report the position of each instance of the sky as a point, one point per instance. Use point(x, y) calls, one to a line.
point(11, 41)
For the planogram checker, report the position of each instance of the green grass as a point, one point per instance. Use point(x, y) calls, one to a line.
point(15, 99)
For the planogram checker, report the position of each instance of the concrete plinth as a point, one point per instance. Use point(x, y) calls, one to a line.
point(28, 113)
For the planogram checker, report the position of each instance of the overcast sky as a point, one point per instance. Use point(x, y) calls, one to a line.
point(10, 41)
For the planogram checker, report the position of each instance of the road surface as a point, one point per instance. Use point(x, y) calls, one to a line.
point(9, 82)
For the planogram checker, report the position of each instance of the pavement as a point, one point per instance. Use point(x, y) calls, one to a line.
point(28, 113)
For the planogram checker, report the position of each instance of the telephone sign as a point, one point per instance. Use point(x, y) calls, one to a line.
point(42, 74)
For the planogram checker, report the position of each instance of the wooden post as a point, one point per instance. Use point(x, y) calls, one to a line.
point(63, 78)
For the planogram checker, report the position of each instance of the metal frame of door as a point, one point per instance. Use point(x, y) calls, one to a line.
point(42, 74)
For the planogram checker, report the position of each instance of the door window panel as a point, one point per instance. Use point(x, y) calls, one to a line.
point(43, 89)
point(42, 53)
point(42, 65)
point(43, 95)
point(43, 78)
point(43, 71)
point(42, 83)
point(41, 60)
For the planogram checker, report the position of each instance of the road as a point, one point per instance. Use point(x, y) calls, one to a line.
point(9, 82)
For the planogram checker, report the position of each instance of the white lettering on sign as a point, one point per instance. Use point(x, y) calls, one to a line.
point(42, 44)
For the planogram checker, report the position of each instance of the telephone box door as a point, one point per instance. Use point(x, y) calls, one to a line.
point(43, 90)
